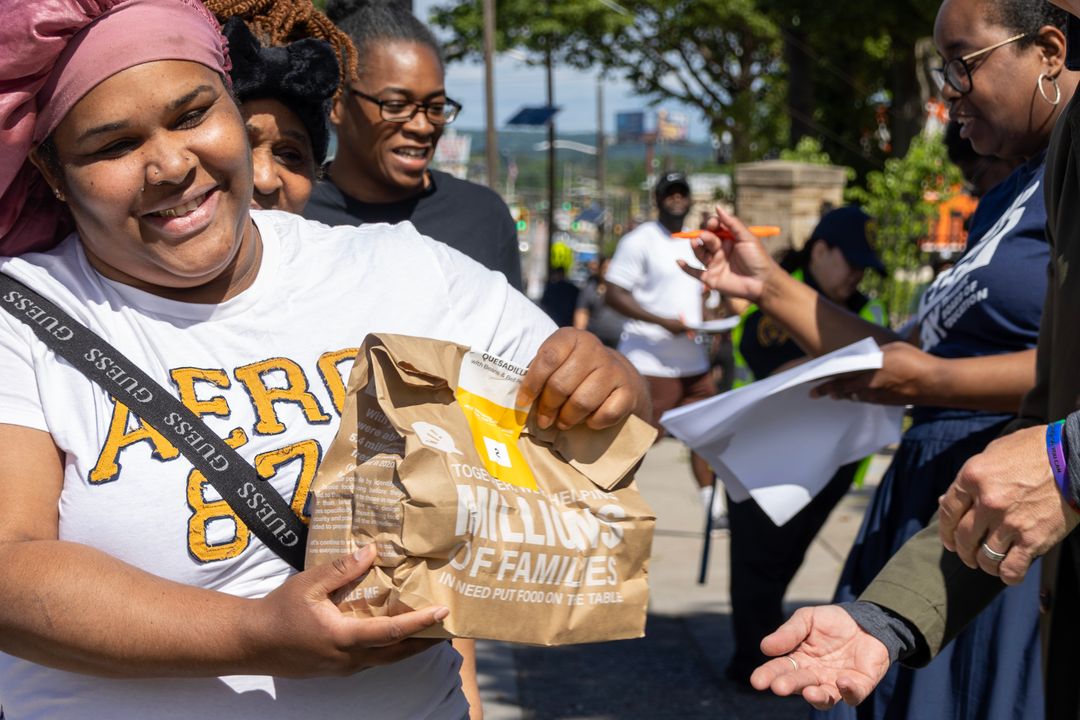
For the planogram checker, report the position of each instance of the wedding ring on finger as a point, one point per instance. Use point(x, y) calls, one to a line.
point(992, 554)
point(794, 665)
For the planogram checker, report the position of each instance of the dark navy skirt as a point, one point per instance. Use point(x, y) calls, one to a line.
point(991, 671)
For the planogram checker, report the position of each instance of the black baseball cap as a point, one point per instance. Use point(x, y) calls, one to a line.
point(671, 180)
point(845, 228)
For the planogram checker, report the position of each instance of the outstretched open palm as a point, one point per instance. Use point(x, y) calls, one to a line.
point(825, 656)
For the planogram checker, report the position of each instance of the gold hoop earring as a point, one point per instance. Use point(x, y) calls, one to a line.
point(1054, 83)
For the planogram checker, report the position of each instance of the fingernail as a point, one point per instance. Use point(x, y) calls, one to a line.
point(440, 614)
point(544, 421)
point(365, 553)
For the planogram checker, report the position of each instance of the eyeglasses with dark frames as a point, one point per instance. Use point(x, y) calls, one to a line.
point(957, 72)
point(441, 112)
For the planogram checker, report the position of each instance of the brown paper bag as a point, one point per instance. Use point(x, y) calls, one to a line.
point(527, 535)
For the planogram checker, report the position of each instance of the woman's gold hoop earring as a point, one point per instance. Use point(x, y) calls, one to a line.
point(1054, 83)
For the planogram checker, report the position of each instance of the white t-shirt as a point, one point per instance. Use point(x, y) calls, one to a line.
point(645, 264)
point(268, 367)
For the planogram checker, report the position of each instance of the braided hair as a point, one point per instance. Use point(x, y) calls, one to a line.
point(279, 22)
point(368, 22)
point(1024, 16)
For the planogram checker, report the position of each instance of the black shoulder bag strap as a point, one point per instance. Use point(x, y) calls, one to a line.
point(257, 504)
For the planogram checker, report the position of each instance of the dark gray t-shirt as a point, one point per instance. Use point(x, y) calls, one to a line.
point(466, 216)
point(604, 321)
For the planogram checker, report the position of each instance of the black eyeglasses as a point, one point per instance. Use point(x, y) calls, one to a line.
point(957, 72)
point(440, 112)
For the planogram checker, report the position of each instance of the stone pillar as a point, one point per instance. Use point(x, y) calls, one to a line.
point(789, 194)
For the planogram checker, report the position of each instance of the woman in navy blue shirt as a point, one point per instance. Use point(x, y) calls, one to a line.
point(970, 358)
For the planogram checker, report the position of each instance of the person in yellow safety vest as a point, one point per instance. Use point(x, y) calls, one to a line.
point(871, 310)
point(560, 295)
point(764, 557)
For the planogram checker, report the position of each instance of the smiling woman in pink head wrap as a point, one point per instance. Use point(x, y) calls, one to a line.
point(54, 55)
point(128, 587)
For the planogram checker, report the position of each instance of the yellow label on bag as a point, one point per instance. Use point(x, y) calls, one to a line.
point(486, 390)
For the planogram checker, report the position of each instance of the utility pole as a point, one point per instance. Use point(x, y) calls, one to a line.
point(650, 161)
point(491, 144)
point(600, 169)
point(551, 151)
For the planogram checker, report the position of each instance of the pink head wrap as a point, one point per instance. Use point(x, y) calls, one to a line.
point(52, 55)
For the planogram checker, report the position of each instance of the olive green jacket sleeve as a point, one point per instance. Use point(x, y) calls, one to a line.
point(933, 591)
point(924, 583)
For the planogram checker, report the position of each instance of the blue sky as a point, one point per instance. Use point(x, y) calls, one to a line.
point(518, 84)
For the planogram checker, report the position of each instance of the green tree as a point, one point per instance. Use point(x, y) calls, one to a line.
point(853, 70)
point(719, 56)
point(808, 150)
point(902, 198)
point(533, 27)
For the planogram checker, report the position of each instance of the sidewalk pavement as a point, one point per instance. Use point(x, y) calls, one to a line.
point(678, 605)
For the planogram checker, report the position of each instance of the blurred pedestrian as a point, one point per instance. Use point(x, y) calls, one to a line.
point(661, 304)
point(560, 295)
point(389, 118)
point(593, 312)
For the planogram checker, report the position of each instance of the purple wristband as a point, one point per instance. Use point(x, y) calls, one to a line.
point(1055, 453)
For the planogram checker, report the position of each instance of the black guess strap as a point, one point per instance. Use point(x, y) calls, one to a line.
point(254, 501)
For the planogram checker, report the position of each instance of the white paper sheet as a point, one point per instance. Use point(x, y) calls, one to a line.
point(772, 442)
point(715, 326)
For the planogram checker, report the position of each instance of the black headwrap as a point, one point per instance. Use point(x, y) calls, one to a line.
point(302, 75)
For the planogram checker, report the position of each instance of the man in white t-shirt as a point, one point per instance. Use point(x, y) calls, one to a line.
point(662, 302)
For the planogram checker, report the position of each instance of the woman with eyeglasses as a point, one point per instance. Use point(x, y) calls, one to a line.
point(389, 119)
point(965, 369)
